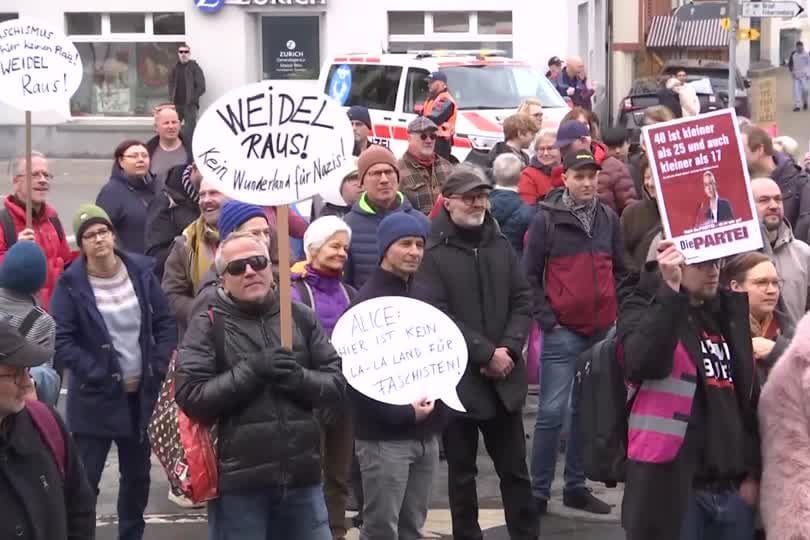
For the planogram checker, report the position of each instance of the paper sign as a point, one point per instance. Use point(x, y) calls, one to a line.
point(399, 350)
point(704, 195)
point(40, 69)
point(272, 143)
point(763, 100)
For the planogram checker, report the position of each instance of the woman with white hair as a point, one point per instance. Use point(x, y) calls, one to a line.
point(317, 283)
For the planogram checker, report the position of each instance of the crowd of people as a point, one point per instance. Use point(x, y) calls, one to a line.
point(556, 229)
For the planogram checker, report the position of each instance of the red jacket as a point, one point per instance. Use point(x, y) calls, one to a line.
point(57, 252)
point(535, 184)
point(615, 185)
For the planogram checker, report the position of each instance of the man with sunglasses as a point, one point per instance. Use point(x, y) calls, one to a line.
point(43, 489)
point(186, 87)
point(46, 228)
point(693, 459)
point(471, 272)
point(262, 397)
point(422, 170)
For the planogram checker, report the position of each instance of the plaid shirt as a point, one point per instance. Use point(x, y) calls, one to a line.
point(422, 185)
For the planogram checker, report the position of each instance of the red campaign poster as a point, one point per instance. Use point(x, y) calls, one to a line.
point(704, 193)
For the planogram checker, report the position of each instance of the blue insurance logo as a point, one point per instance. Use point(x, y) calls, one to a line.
point(340, 85)
point(209, 6)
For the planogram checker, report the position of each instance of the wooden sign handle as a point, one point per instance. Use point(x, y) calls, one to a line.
point(28, 182)
point(285, 288)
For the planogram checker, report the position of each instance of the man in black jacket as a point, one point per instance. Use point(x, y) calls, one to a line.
point(44, 493)
point(174, 209)
point(472, 273)
point(262, 397)
point(397, 445)
point(186, 87)
point(694, 451)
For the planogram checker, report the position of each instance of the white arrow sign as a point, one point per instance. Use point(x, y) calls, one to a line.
point(771, 9)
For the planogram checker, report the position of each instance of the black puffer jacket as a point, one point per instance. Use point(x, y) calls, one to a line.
point(267, 438)
point(481, 286)
point(795, 186)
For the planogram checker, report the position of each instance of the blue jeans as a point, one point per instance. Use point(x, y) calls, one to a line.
point(561, 348)
point(272, 514)
point(800, 91)
point(717, 516)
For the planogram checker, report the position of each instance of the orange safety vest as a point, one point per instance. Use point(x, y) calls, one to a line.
point(447, 129)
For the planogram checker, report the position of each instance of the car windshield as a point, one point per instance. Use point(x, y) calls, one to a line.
point(500, 87)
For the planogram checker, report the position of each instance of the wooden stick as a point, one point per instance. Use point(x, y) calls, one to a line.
point(28, 189)
point(285, 292)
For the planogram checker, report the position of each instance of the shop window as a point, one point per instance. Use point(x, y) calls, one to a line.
point(8, 16)
point(291, 48)
point(372, 86)
point(495, 22)
point(406, 22)
point(416, 89)
point(451, 22)
point(127, 59)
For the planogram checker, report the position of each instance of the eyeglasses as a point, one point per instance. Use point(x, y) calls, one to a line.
point(101, 233)
point(545, 149)
point(376, 175)
point(425, 136)
point(471, 198)
point(19, 377)
point(39, 175)
point(238, 267)
point(183, 51)
point(762, 283)
point(142, 155)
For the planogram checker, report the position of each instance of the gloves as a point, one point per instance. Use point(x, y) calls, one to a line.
point(284, 371)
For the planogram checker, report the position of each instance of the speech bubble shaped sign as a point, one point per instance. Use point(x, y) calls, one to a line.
point(39, 67)
point(398, 350)
point(272, 142)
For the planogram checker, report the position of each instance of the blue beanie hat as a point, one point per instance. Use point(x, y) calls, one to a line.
point(234, 213)
point(360, 114)
point(395, 226)
point(24, 268)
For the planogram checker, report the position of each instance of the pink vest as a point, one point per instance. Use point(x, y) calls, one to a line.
point(660, 412)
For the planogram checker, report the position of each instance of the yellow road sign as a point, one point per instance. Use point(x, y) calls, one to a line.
point(748, 34)
point(725, 23)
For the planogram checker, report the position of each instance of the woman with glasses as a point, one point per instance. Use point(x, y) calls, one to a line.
point(128, 193)
point(771, 328)
point(544, 172)
point(115, 333)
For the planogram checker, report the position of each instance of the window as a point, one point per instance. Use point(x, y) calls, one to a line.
point(8, 17)
point(495, 22)
point(406, 22)
point(499, 86)
point(127, 59)
point(451, 22)
point(291, 48)
point(416, 89)
point(372, 86)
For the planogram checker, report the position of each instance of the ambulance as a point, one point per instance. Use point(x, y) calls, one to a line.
point(486, 85)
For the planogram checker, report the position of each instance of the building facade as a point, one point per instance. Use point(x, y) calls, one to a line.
point(128, 50)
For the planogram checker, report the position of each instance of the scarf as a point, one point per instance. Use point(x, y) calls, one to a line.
point(545, 169)
point(427, 163)
point(202, 243)
point(759, 328)
point(188, 187)
point(584, 212)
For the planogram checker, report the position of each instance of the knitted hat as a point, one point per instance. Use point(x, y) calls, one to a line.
point(89, 214)
point(395, 226)
point(372, 156)
point(360, 114)
point(234, 213)
point(321, 230)
point(24, 268)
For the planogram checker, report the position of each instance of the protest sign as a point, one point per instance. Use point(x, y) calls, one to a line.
point(272, 143)
point(40, 68)
point(399, 350)
point(703, 191)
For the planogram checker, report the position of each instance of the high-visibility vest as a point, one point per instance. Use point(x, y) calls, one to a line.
point(448, 128)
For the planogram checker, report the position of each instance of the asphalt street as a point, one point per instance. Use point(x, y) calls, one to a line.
point(78, 181)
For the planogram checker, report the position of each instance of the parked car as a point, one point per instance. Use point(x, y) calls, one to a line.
point(717, 73)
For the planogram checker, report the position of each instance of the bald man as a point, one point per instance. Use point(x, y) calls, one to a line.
point(166, 149)
point(573, 83)
point(790, 255)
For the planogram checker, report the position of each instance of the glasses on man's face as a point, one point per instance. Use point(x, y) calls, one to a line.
point(376, 175)
point(18, 377)
point(545, 150)
point(92, 235)
point(425, 136)
point(38, 175)
point(763, 283)
point(471, 199)
point(239, 266)
point(183, 51)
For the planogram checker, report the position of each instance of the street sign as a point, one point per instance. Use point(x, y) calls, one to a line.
point(725, 23)
point(771, 9)
point(748, 34)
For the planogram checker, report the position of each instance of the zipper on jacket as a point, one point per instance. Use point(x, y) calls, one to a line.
point(279, 410)
point(480, 288)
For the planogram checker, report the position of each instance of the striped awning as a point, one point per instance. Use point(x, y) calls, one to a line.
point(669, 32)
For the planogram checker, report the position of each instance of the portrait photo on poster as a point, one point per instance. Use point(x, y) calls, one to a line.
point(273, 142)
point(398, 350)
point(703, 189)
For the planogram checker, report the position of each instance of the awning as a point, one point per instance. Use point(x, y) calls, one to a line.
point(669, 32)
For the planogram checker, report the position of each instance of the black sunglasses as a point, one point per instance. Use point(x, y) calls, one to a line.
point(238, 267)
point(425, 136)
point(183, 51)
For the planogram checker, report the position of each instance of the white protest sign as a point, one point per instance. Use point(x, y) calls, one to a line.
point(40, 69)
point(271, 143)
point(399, 350)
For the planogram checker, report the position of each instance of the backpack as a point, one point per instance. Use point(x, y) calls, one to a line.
point(168, 424)
point(50, 432)
point(603, 401)
point(10, 232)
